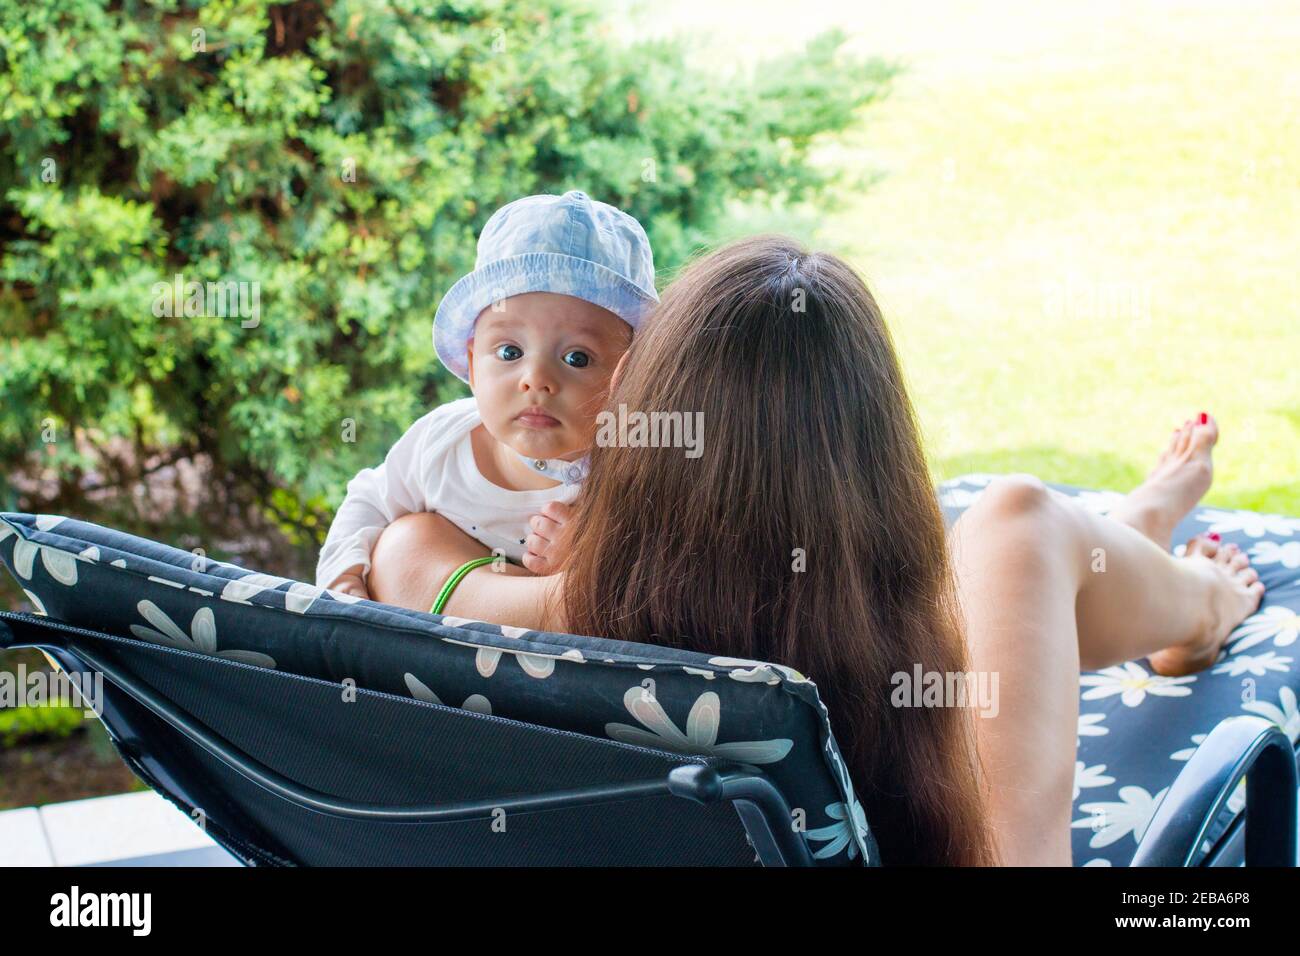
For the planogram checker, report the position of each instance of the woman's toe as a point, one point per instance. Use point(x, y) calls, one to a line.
point(1176, 438)
point(1247, 575)
point(1202, 435)
point(1238, 561)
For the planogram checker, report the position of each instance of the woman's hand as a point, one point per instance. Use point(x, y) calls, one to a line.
point(547, 544)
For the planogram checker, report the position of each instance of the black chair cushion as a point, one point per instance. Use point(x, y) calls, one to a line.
point(660, 698)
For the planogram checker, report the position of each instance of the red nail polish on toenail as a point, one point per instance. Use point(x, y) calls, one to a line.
point(1204, 418)
point(1213, 536)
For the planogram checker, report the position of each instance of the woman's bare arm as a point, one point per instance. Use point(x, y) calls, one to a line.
point(418, 552)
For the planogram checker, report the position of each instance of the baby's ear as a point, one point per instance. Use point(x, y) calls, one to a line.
point(469, 361)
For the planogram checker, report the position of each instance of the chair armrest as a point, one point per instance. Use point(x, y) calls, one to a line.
point(767, 817)
point(1237, 747)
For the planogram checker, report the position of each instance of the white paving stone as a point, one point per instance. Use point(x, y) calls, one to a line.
point(22, 839)
point(129, 825)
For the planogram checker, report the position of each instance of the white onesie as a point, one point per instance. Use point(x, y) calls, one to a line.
point(431, 468)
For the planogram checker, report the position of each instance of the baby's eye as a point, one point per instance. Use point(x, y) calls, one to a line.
point(508, 353)
point(576, 358)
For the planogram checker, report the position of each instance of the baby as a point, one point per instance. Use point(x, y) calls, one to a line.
point(559, 286)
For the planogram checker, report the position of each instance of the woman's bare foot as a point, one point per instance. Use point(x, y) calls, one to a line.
point(1179, 480)
point(1235, 590)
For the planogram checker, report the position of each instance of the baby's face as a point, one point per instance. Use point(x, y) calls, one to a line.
point(540, 370)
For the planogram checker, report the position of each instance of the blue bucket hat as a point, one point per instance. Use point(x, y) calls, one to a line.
point(570, 244)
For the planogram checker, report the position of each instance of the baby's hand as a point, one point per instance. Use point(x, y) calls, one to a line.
point(546, 544)
point(349, 583)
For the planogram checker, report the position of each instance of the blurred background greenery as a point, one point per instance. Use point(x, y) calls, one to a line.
point(1082, 219)
point(1086, 227)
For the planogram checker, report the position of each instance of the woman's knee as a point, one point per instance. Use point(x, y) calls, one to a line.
point(1015, 494)
point(1021, 507)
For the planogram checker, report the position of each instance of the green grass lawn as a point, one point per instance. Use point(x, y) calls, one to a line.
point(1088, 228)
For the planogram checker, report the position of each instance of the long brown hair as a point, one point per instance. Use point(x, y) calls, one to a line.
point(810, 448)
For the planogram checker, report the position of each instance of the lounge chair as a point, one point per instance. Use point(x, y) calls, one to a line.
point(301, 726)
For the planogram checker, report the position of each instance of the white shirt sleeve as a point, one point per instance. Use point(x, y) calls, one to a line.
point(376, 498)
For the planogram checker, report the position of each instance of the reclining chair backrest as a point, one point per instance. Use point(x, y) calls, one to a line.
point(308, 727)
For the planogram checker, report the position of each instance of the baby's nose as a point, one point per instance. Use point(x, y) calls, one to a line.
point(536, 377)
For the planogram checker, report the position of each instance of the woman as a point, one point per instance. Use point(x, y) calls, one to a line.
point(808, 533)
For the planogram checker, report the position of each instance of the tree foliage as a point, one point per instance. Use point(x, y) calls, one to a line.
point(342, 156)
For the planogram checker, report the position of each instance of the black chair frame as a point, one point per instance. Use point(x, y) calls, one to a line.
point(1239, 747)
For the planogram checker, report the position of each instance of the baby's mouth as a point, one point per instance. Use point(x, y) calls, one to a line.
point(536, 418)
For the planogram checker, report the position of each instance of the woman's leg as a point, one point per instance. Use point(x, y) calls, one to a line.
point(1048, 588)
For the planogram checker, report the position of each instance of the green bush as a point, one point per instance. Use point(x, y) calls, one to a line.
point(141, 140)
point(26, 724)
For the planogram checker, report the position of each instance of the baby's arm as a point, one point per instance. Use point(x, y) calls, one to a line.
point(376, 497)
point(352, 581)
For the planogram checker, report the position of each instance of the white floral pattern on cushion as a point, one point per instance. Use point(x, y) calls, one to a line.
point(1272, 552)
point(657, 730)
point(1111, 821)
point(1133, 684)
point(1281, 625)
point(1249, 523)
point(201, 639)
point(421, 691)
point(839, 836)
